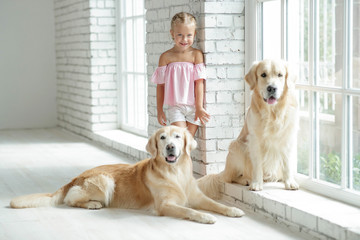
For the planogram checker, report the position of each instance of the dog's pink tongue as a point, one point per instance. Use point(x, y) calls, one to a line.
point(271, 100)
point(171, 158)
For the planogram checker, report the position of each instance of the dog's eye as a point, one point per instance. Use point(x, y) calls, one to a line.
point(263, 75)
point(162, 137)
point(280, 75)
point(177, 136)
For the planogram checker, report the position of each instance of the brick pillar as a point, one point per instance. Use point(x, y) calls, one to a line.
point(86, 65)
point(221, 38)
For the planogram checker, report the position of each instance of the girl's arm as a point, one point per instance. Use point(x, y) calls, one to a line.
point(160, 93)
point(200, 112)
point(159, 104)
point(199, 57)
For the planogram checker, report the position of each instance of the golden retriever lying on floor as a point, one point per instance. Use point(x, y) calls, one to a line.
point(164, 183)
point(266, 147)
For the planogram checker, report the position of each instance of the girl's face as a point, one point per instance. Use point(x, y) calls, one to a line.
point(183, 35)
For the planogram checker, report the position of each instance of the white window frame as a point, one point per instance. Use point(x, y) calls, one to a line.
point(253, 53)
point(137, 127)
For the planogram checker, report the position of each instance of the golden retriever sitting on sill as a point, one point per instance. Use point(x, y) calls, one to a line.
point(164, 183)
point(266, 149)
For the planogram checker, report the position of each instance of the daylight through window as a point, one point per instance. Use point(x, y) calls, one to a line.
point(131, 66)
point(321, 38)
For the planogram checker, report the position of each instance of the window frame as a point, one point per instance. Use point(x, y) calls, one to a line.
point(253, 45)
point(122, 74)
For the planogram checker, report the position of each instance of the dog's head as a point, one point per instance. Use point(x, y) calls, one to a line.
point(271, 79)
point(170, 143)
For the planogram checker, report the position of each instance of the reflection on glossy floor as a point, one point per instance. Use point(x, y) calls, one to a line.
point(43, 160)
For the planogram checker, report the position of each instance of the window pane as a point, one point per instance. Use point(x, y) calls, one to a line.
point(356, 45)
point(356, 142)
point(123, 47)
point(129, 46)
point(330, 43)
point(298, 38)
point(330, 124)
point(141, 96)
point(271, 29)
point(304, 138)
point(130, 99)
point(139, 7)
point(140, 48)
point(124, 106)
point(133, 71)
point(128, 8)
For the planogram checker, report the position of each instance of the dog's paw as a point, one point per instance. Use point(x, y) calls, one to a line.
point(204, 218)
point(243, 181)
point(291, 185)
point(93, 205)
point(256, 186)
point(234, 212)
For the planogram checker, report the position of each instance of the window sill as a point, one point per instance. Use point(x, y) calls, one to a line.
point(301, 211)
point(127, 143)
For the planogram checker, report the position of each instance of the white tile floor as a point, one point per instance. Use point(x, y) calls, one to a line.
point(45, 159)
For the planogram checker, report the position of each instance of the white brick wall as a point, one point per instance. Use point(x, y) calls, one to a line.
point(86, 65)
point(86, 72)
point(221, 38)
point(223, 46)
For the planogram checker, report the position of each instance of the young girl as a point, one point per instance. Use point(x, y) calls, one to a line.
point(180, 78)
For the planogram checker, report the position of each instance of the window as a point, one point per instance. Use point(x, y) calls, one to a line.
point(131, 66)
point(321, 38)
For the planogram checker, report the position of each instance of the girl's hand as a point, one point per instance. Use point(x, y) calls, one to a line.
point(161, 118)
point(202, 115)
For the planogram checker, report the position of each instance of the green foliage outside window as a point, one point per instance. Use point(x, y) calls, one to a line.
point(330, 169)
point(356, 172)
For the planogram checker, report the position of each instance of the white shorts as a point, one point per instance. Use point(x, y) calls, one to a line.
point(182, 113)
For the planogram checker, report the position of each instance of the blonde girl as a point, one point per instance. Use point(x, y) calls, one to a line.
point(180, 78)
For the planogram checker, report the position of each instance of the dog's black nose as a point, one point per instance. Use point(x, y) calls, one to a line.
point(271, 89)
point(170, 147)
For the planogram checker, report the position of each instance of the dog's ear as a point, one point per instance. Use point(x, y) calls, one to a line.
point(151, 146)
point(290, 77)
point(250, 77)
point(190, 143)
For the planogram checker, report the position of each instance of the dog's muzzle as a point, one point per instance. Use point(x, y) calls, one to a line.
point(171, 153)
point(271, 95)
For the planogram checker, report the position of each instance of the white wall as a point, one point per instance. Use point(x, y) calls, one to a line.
point(27, 64)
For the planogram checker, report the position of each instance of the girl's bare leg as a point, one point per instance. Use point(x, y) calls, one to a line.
point(191, 127)
point(179, 124)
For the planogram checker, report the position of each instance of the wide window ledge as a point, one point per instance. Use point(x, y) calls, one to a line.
point(127, 143)
point(301, 211)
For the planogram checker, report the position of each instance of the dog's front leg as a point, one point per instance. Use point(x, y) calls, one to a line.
point(257, 177)
point(290, 168)
point(199, 201)
point(257, 170)
point(174, 210)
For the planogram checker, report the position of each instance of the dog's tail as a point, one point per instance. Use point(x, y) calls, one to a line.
point(212, 185)
point(39, 200)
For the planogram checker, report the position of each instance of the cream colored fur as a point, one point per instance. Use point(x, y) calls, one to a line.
point(163, 183)
point(265, 150)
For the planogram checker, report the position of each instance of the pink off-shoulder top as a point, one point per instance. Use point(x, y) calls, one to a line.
point(179, 79)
